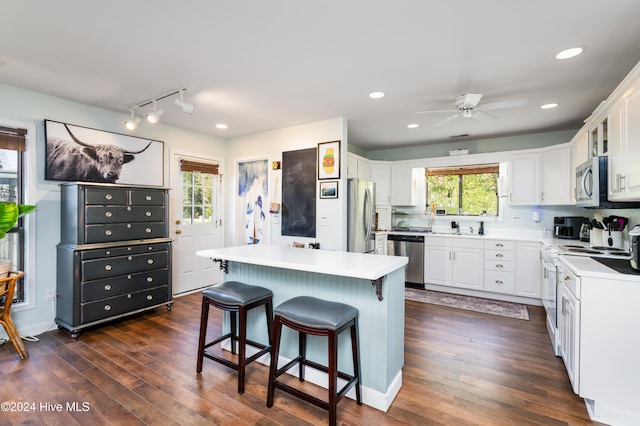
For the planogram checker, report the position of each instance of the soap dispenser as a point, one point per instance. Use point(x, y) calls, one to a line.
point(481, 229)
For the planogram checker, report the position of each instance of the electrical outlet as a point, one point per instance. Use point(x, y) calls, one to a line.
point(51, 295)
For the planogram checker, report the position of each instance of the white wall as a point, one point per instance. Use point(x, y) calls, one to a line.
point(271, 145)
point(20, 106)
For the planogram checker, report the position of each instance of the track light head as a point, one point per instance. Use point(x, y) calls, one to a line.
point(154, 116)
point(132, 123)
point(187, 107)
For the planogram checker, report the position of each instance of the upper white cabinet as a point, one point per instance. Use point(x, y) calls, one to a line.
point(624, 147)
point(404, 185)
point(381, 175)
point(542, 177)
point(358, 167)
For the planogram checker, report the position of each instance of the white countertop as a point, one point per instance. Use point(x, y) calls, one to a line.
point(345, 264)
point(587, 267)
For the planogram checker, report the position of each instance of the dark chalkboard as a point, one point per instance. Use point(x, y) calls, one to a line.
point(299, 193)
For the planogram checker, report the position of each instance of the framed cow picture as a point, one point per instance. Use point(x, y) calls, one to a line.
point(81, 154)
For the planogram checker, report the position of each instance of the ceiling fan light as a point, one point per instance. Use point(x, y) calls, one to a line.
point(187, 107)
point(466, 113)
point(376, 95)
point(569, 53)
point(154, 116)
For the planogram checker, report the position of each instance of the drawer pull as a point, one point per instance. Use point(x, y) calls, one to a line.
point(108, 232)
point(147, 230)
point(149, 279)
point(107, 267)
point(150, 261)
point(129, 296)
point(499, 282)
point(107, 307)
point(107, 287)
point(499, 265)
point(499, 255)
point(108, 214)
point(148, 214)
point(148, 198)
point(149, 297)
point(128, 277)
point(128, 208)
point(128, 226)
point(108, 252)
point(129, 257)
point(108, 196)
point(499, 245)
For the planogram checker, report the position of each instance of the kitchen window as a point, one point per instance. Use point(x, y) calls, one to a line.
point(12, 147)
point(463, 191)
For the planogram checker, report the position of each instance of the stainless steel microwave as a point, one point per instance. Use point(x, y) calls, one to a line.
point(591, 186)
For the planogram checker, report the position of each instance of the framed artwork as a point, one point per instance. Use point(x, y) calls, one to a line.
point(329, 160)
point(81, 154)
point(251, 202)
point(329, 189)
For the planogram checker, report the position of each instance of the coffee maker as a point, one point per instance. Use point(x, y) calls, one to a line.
point(568, 227)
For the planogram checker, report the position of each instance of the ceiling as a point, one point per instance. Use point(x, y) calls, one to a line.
point(264, 65)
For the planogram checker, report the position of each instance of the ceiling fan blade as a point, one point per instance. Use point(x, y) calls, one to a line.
point(437, 111)
point(483, 115)
point(519, 102)
point(471, 100)
point(440, 123)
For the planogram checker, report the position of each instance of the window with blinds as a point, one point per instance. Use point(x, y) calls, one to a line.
point(12, 148)
point(460, 191)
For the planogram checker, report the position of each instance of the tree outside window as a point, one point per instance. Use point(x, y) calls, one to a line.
point(464, 191)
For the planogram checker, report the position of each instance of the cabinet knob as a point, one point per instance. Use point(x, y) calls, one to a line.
point(499, 255)
point(107, 307)
point(147, 230)
point(128, 226)
point(150, 261)
point(107, 267)
point(499, 282)
point(107, 287)
point(108, 232)
point(147, 214)
point(499, 245)
point(178, 222)
point(108, 196)
point(178, 231)
point(108, 214)
point(149, 297)
point(148, 198)
point(128, 208)
point(129, 258)
point(149, 279)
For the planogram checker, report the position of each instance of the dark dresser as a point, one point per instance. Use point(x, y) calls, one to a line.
point(114, 257)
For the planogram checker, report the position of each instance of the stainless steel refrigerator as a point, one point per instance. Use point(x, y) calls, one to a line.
point(361, 201)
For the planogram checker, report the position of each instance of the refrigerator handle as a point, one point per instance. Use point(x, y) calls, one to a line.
point(368, 216)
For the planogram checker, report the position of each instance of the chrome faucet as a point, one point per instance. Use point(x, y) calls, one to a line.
point(471, 229)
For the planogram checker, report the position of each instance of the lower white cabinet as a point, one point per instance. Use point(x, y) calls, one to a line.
point(454, 261)
point(569, 324)
point(528, 270)
point(381, 243)
point(500, 266)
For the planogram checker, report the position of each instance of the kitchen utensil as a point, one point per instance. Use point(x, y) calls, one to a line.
point(598, 217)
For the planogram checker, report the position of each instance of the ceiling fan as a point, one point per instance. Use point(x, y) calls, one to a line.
point(467, 106)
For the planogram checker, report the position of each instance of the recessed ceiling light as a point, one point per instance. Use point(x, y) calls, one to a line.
point(222, 126)
point(376, 95)
point(413, 126)
point(569, 53)
point(549, 106)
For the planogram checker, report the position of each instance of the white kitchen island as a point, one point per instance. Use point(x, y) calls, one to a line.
point(372, 283)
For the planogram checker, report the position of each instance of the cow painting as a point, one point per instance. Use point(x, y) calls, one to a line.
point(81, 161)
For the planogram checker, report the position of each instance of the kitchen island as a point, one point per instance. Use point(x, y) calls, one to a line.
point(373, 284)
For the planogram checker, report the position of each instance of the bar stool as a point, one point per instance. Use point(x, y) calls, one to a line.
point(309, 315)
point(235, 297)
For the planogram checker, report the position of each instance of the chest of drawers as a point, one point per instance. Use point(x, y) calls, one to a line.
point(114, 258)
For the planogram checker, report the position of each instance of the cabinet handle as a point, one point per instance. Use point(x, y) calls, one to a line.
point(542, 196)
point(499, 245)
point(149, 297)
point(107, 307)
point(149, 279)
point(128, 226)
point(108, 214)
point(129, 258)
point(107, 287)
point(148, 198)
point(108, 196)
point(107, 267)
point(147, 230)
point(567, 278)
point(108, 252)
point(623, 182)
point(499, 255)
point(108, 232)
point(128, 208)
point(148, 214)
point(150, 261)
point(499, 265)
point(499, 282)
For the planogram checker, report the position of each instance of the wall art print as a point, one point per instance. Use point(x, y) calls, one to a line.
point(251, 206)
point(76, 153)
point(329, 160)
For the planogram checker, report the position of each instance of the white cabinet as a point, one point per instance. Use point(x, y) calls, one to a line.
point(500, 266)
point(528, 270)
point(381, 243)
point(624, 147)
point(383, 215)
point(381, 175)
point(555, 176)
point(404, 185)
point(541, 177)
point(453, 261)
point(358, 167)
point(524, 179)
point(569, 324)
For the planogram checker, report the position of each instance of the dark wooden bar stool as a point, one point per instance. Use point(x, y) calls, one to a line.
point(309, 315)
point(235, 297)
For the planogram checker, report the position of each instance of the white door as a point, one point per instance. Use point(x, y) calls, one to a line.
point(195, 223)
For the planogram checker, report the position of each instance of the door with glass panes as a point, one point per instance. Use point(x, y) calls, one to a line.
point(196, 225)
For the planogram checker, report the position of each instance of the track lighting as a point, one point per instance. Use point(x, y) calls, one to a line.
point(187, 107)
point(132, 123)
point(154, 116)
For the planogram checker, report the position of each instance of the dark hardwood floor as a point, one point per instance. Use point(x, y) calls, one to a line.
point(461, 368)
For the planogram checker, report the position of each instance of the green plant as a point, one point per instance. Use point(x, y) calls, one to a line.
point(9, 214)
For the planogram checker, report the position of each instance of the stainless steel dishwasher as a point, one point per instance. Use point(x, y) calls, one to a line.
point(411, 246)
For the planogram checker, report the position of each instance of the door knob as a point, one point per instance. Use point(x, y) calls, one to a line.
point(178, 222)
point(178, 231)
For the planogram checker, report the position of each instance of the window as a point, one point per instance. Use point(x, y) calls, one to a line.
point(464, 191)
point(12, 147)
point(198, 192)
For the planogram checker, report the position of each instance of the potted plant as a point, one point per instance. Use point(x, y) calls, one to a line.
point(9, 214)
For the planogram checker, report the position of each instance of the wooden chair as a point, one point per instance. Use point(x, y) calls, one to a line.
point(7, 288)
